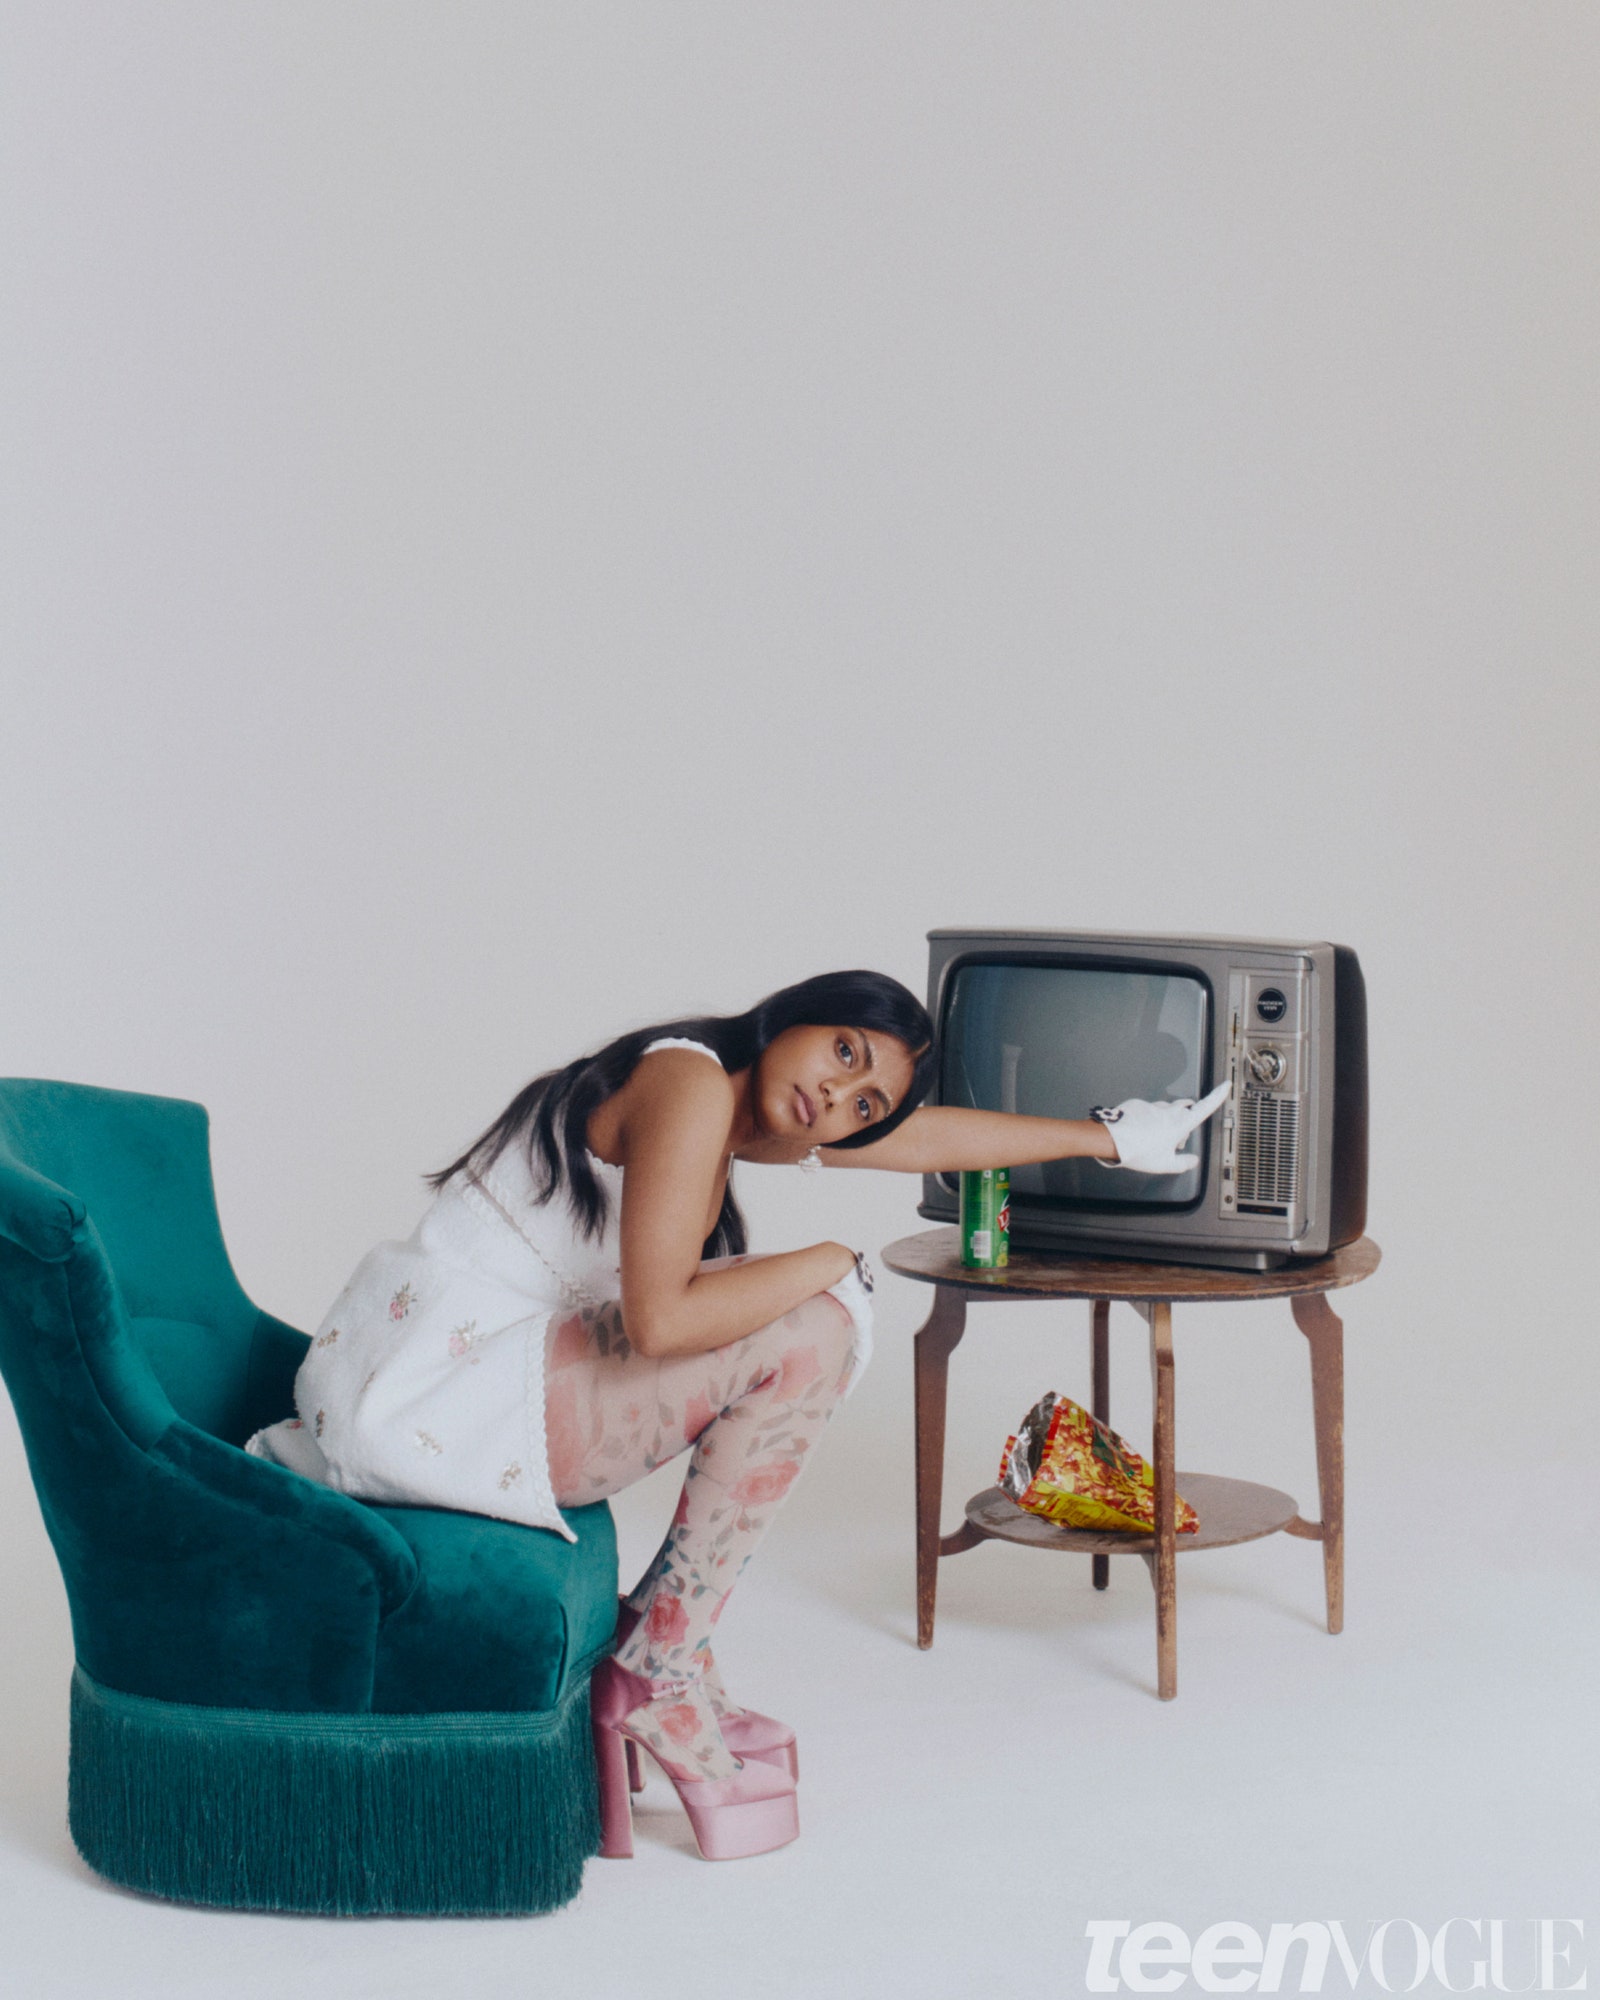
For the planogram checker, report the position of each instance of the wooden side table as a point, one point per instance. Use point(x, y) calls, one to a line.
point(1230, 1510)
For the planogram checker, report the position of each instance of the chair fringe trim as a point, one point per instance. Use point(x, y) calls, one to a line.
point(335, 1814)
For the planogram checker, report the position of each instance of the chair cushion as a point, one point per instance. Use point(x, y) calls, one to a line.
point(502, 1616)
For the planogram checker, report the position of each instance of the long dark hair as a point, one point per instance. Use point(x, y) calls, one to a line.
point(551, 1114)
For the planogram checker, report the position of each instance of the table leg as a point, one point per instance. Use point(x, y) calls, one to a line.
point(1322, 1326)
point(1163, 1557)
point(1162, 1401)
point(934, 1345)
point(1100, 1370)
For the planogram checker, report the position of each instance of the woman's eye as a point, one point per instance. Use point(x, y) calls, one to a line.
point(847, 1055)
point(864, 1108)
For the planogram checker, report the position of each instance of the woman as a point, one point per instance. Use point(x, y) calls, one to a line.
point(576, 1307)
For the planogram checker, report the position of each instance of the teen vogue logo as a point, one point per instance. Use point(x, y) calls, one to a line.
point(1464, 1955)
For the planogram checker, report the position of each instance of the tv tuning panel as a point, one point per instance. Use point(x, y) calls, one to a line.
point(1265, 1122)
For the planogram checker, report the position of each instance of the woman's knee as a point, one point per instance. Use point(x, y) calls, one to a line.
point(817, 1345)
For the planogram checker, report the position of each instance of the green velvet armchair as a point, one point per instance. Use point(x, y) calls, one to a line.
point(283, 1698)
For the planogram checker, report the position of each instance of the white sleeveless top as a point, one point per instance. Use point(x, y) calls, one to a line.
point(424, 1385)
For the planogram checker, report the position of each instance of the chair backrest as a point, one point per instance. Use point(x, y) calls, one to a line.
point(141, 1167)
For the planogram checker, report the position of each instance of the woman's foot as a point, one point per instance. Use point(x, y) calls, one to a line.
point(678, 1726)
point(749, 1810)
point(745, 1731)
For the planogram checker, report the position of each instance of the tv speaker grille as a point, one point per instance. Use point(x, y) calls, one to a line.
point(1269, 1150)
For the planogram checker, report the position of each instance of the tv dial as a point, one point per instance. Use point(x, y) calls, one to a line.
point(1267, 1065)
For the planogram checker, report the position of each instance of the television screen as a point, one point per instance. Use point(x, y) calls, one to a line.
point(1054, 1041)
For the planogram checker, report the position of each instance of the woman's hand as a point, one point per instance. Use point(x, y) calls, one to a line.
point(1148, 1136)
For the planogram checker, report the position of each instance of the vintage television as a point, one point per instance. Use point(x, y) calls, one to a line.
point(1052, 1023)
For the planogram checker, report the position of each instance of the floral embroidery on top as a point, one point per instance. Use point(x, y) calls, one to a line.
point(326, 1339)
point(402, 1302)
point(426, 1441)
point(510, 1476)
point(320, 1415)
point(464, 1338)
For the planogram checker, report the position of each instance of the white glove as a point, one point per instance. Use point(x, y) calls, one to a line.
point(1147, 1136)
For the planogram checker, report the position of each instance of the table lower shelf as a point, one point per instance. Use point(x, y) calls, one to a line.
point(1230, 1510)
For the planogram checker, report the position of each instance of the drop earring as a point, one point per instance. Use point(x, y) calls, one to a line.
point(810, 1163)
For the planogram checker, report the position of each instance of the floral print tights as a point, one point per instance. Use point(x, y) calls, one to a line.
point(750, 1415)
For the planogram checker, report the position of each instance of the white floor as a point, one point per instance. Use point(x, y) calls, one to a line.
point(966, 1811)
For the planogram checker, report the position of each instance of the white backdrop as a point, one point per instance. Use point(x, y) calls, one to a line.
point(524, 521)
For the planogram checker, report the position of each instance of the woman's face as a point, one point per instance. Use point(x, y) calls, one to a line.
point(815, 1086)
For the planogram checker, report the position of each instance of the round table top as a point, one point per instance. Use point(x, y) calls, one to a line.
point(934, 1257)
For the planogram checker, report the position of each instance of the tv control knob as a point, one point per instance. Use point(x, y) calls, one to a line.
point(1267, 1065)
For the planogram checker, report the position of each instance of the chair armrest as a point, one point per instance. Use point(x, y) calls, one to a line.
point(194, 1572)
point(36, 1215)
point(204, 1575)
point(301, 1509)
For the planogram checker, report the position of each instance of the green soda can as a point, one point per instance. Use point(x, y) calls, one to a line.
point(986, 1219)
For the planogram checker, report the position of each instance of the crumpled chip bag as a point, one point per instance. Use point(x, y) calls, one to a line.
point(1067, 1466)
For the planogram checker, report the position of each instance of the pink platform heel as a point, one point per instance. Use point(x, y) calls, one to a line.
point(747, 1734)
point(750, 1813)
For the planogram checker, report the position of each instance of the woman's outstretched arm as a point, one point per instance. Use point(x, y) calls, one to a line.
point(942, 1138)
point(949, 1138)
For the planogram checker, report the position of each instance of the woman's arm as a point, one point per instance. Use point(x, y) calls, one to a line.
point(948, 1138)
point(943, 1138)
point(677, 1114)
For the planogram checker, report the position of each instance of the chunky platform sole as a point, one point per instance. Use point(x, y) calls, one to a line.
point(752, 1812)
